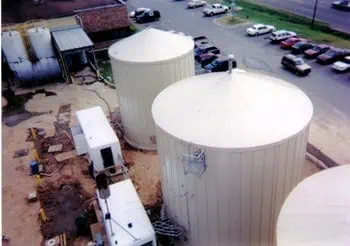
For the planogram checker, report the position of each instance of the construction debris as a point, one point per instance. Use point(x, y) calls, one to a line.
point(32, 197)
point(65, 156)
point(63, 200)
point(55, 148)
point(21, 153)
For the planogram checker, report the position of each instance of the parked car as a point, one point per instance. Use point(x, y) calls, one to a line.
point(259, 29)
point(295, 64)
point(200, 40)
point(300, 47)
point(196, 3)
point(137, 12)
point(341, 4)
point(342, 66)
point(316, 51)
point(215, 9)
point(332, 55)
point(205, 48)
point(281, 35)
point(288, 43)
point(205, 59)
point(148, 16)
point(220, 64)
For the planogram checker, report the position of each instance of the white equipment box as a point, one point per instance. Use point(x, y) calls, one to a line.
point(95, 137)
point(130, 223)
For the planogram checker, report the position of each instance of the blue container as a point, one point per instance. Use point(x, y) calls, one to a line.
point(34, 167)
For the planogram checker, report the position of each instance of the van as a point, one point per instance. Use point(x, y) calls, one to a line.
point(281, 35)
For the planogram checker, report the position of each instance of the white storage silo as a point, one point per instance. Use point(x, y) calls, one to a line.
point(317, 211)
point(143, 65)
point(232, 147)
point(40, 39)
point(13, 47)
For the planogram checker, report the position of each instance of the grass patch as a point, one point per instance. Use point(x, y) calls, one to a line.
point(105, 69)
point(321, 33)
point(229, 20)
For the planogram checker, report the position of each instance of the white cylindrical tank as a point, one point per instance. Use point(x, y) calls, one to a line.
point(40, 39)
point(317, 211)
point(231, 147)
point(143, 65)
point(47, 69)
point(13, 47)
point(23, 71)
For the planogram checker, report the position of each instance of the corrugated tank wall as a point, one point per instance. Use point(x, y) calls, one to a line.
point(137, 84)
point(237, 199)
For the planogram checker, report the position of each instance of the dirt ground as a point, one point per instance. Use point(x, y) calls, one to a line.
point(20, 220)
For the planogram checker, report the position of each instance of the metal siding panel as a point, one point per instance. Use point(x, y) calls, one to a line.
point(192, 203)
point(174, 179)
point(211, 159)
point(298, 158)
point(291, 165)
point(247, 165)
point(182, 213)
point(258, 176)
point(202, 207)
point(234, 172)
point(282, 161)
point(223, 198)
point(267, 194)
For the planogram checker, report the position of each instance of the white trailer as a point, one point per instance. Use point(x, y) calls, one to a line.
point(95, 137)
point(130, 223)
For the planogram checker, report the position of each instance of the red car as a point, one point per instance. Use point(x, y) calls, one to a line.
point(316, 51)
point(287, 44)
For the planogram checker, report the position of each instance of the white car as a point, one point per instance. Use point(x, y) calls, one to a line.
point(281, 35)
point(215, 9)
point(195, 3)
point(259, 29)
point(342, 66)
point(137, 12)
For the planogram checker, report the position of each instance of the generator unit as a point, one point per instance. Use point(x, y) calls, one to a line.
point(95, 137)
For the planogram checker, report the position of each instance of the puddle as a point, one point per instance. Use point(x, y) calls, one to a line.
point(14, 120)
point(14, 112)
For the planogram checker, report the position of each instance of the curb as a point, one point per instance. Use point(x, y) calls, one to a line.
point(216, 22)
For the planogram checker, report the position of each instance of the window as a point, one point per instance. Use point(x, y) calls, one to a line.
point(107, 157)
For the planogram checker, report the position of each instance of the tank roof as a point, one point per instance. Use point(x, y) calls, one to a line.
point(238, 110)
point(151, 45)
point(317, 211)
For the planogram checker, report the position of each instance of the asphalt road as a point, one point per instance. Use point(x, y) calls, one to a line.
point(337, 19)
point(329, 92)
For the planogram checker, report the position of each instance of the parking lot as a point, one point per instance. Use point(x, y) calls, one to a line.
point(328, 91)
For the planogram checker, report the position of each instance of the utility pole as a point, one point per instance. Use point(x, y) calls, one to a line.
point(314, 15)
point(233, 5)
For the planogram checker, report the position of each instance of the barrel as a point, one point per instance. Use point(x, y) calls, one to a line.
point(34, 167)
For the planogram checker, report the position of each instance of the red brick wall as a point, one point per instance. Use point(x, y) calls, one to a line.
point(103, 19)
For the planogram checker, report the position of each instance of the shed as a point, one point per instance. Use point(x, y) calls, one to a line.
point(74, 47)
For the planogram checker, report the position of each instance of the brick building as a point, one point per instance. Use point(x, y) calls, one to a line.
point(101, 19)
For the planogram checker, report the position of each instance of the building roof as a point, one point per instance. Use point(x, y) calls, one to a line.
point(96, 128)
point(71, 38)
point(26, 10)
point(235, 111)
point(151, 45)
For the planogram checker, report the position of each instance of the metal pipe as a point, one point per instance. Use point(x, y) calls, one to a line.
point(230, 60)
